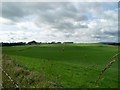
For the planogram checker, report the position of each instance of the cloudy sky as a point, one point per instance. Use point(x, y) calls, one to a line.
point(59, 21)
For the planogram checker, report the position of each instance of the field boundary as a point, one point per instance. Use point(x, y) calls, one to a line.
point(10, 78)
point(108, 65)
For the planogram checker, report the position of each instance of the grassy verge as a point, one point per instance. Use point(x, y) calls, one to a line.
point(22, 76)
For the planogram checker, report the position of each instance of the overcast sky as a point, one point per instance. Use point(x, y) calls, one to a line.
point(54, 21)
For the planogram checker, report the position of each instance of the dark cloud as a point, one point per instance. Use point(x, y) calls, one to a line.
point(111, 33)
point(47, 11)
point(68, 26)
point(12, 11)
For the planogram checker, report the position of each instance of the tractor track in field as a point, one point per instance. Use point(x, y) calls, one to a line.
point(10, 78)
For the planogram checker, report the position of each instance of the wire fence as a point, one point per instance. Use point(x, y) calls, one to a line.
point(108, 65)
point(10, 78)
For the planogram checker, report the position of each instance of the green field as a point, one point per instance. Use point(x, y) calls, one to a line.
point(66, 65)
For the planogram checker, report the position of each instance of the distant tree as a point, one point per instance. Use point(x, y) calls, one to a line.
point(58, 42)
point(68, 42)
point(32, 42)
point(52, 42)
point(13, 44)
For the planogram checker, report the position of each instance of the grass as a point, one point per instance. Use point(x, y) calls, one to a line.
point(22, 76)
point(79, 65)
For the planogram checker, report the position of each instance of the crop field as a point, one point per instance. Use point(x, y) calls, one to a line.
point(60, 65)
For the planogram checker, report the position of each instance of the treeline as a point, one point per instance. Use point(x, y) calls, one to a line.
point(34, 42)
point(13, 44)
point(110, 43)
point(114, 44)
point(31, 43)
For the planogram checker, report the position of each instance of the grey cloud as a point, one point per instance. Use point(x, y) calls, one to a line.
point(12, 11)
point(54, 15)
point(69, 26)
point(16, 11)
point(113, 33)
